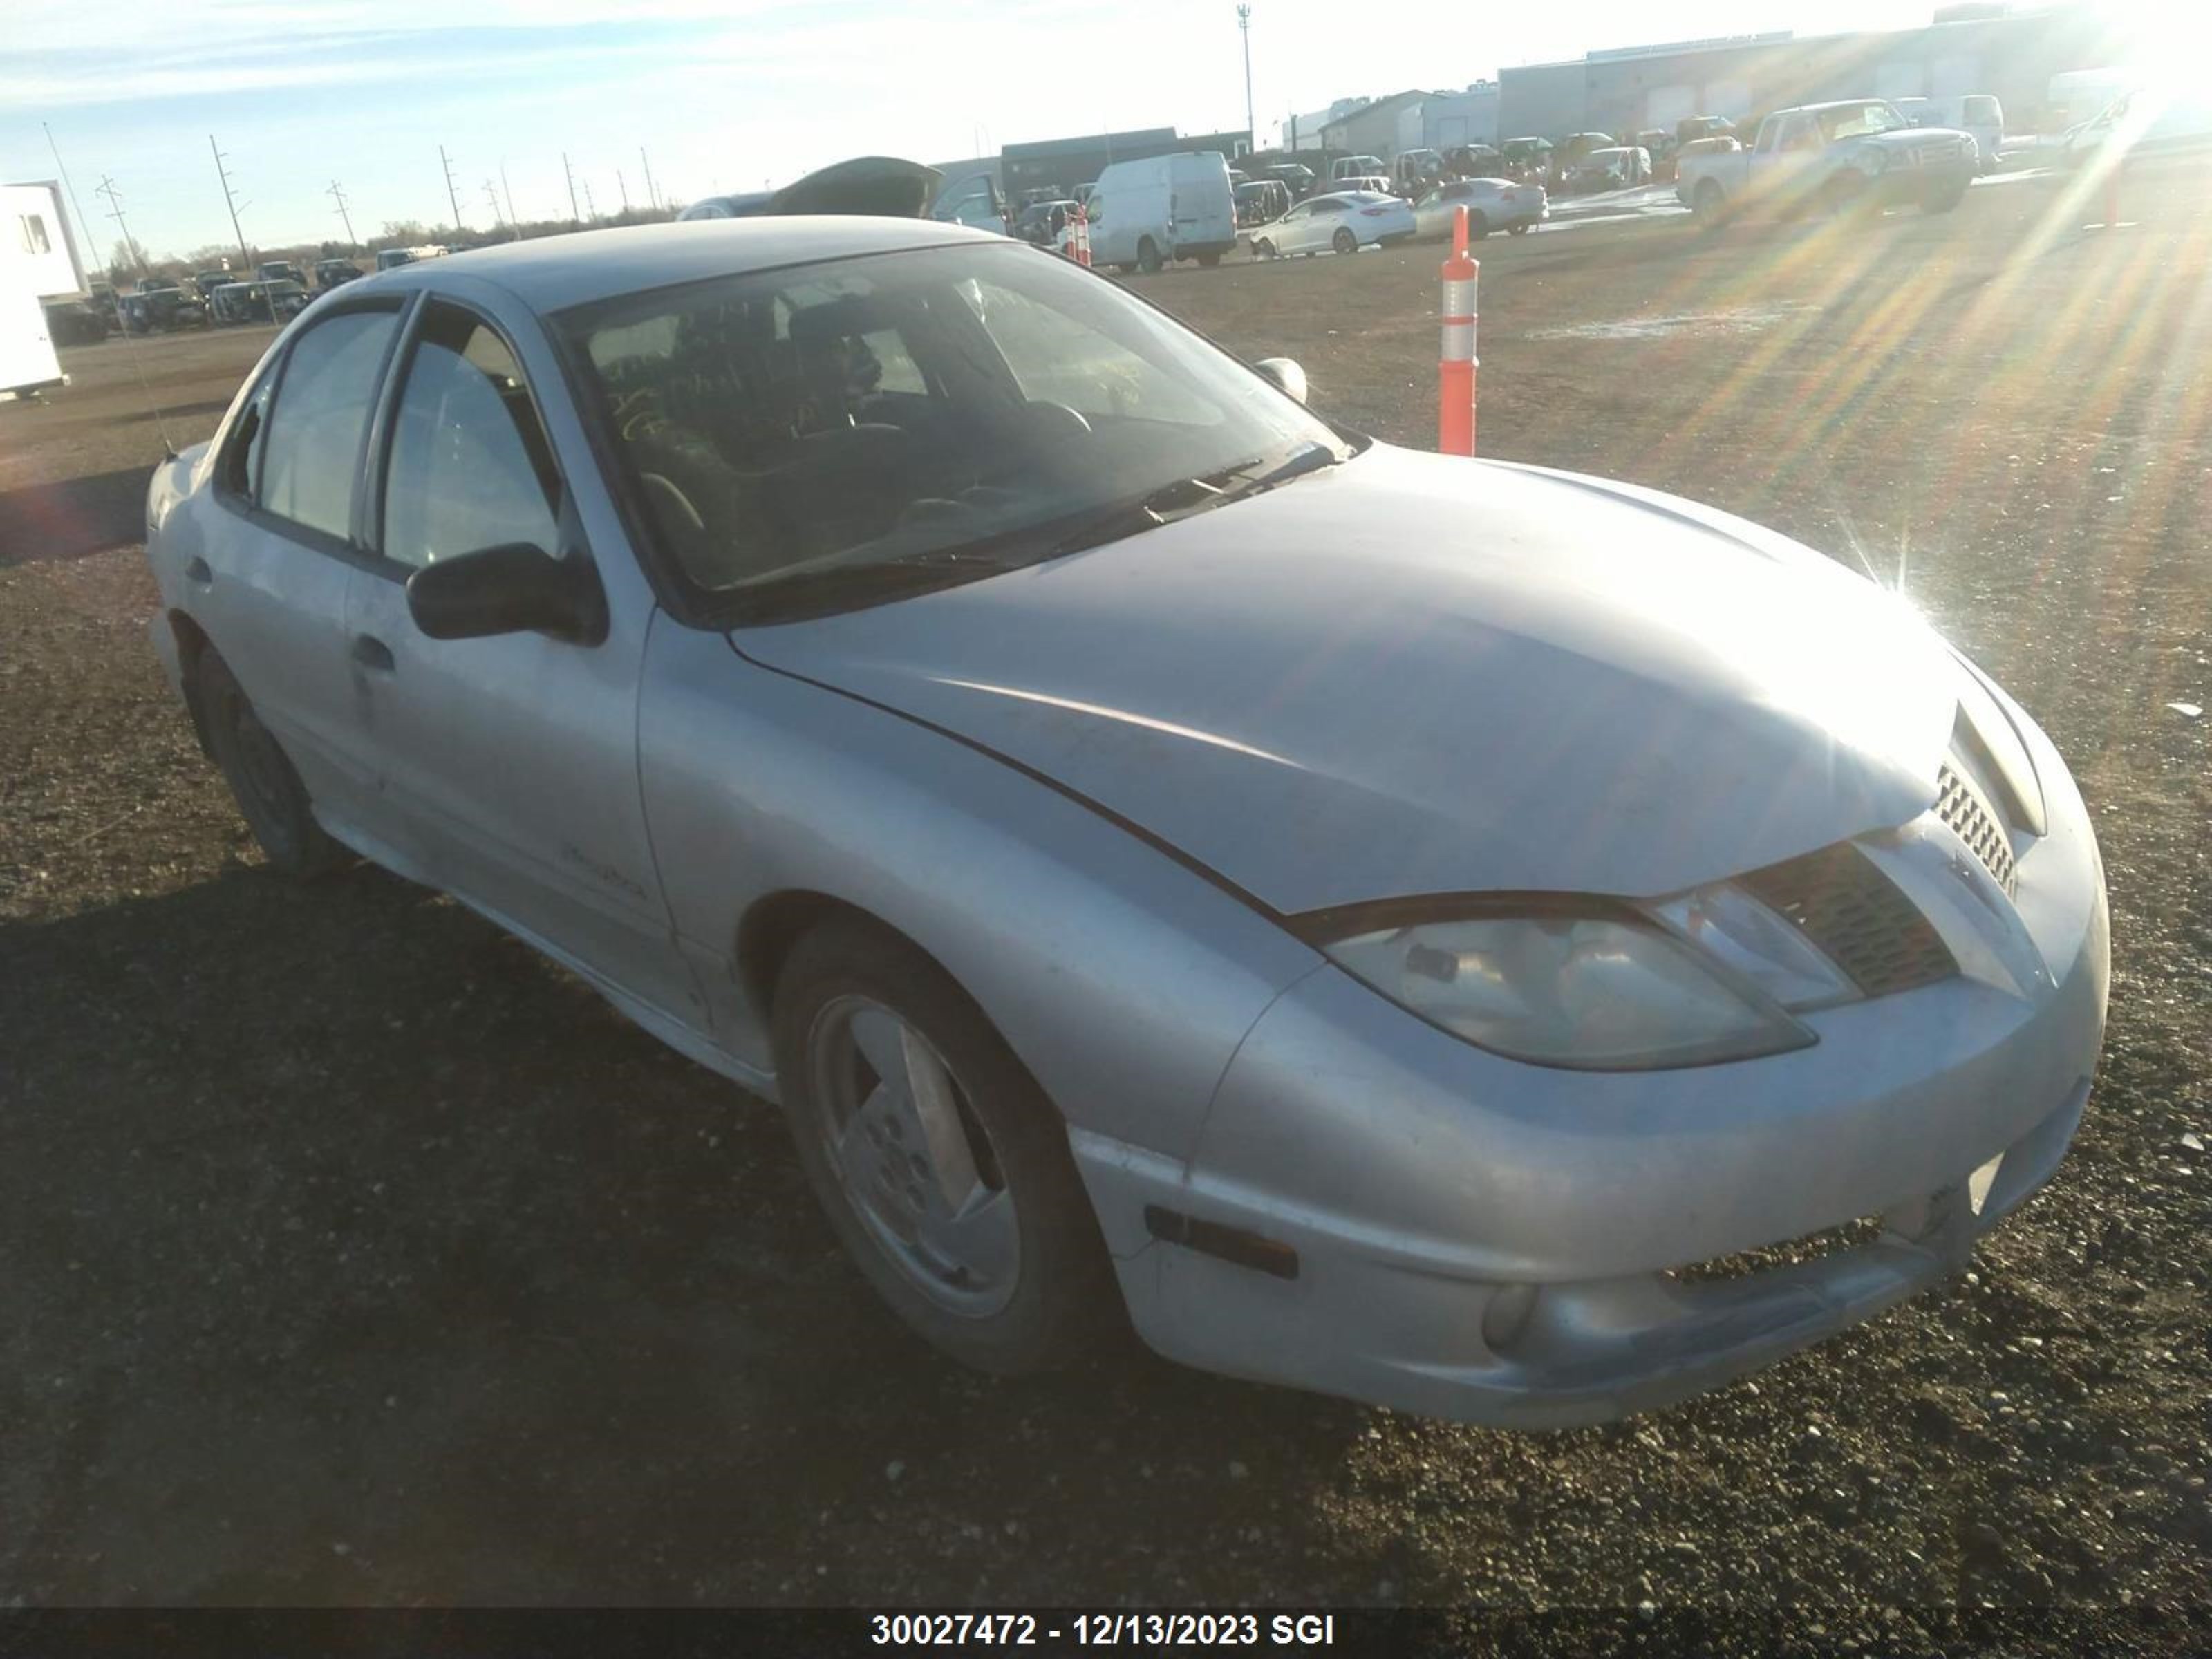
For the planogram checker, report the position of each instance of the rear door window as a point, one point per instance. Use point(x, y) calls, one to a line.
point(310, 439)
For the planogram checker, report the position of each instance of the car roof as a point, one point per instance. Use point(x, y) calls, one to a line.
point(552, 273)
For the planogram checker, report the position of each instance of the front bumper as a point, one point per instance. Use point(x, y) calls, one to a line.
point(1498, 1243)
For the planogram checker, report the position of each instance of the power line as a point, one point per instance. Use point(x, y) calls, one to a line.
point(230, 201)
point(83, 223)
point(107, 188)
point(452, 194)
point(337, 195)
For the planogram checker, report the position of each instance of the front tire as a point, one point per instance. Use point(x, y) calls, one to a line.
point(1520, 229)
point(1708, 205)
point(1944, 201)
point(268, 791)
point(1208, 261)
point(941, 1165)
point(1345, 242)
point(1148, 256)
point(1263, 249)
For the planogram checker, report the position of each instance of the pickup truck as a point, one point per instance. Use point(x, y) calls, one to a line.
point(1829, 158)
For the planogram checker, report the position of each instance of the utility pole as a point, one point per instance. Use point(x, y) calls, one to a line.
point(507, 190)
point(573, 215)
point(651, 196)
point(624, 189)
point(230, 201)
point(1244, 27)
point(492, 197)
point(452, 195)
point(589, 206)
point(83, 223)
point(115, 211)
point(337, 195)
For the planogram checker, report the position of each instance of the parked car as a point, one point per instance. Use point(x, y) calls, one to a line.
point(1691, 128)
point(1262, 200)
point(1413, 171)
point(1619, 168)
point(1978, 115)
point(1148, 212)
point(160, 308)
point(75, 322)
point(1342, 222)
point(1526, 158)
point(1372, 184)
point(1838, 157)
point(2142, 122)
point(1474, 162)
point(103, 301)
point(1356, 166)
point(335, 273)
point(1041, 223)
point(1570, 150)
point(917, 749)
point(1294, 177)
point(205, 282)
point(258, 302)
point(280, 270)
point(1491, 204)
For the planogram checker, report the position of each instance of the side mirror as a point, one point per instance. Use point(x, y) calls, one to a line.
point(1286, 375)
point(514, 588)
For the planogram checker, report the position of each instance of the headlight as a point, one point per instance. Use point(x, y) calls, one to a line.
point(1605, 988)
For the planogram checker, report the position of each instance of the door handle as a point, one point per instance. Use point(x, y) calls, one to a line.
point(372, 652)
point(196, 571)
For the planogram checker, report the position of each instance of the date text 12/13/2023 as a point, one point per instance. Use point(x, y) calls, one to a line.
point(1146, 1629)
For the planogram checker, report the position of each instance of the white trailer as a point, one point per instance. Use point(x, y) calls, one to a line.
point(28, 360)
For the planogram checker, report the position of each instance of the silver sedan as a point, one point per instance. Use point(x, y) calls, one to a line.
point(1491, 204)
point(1391, 925)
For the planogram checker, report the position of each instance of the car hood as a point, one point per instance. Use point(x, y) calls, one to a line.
point(1412, 674)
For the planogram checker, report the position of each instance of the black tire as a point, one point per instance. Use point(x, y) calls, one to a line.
point(1945, 201)
point(1148, 256)
point(1062, 1300)
point(1344, 241)
point(1520, 229)
point(1208, 261)
point(1844, 199)
point(1263, 249)
point(1478, 226)
point(1708, 205)
point(1123, 270)
point(268, 791)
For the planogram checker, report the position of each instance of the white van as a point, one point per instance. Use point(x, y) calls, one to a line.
point(1144, 214)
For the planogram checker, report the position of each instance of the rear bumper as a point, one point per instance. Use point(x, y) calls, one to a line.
point(1504, 1245)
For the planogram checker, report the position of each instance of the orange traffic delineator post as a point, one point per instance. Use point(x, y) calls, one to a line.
point(1078, 236)
point(1455, 368)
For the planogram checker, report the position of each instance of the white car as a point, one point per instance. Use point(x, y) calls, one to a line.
point(1395, 925)
point(1491, 204)
point(1344, 221)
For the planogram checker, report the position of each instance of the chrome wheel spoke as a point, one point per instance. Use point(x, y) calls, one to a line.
point(951, 1160)
point(979, 1239)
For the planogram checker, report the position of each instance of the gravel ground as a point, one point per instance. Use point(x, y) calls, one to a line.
point(348, 1253)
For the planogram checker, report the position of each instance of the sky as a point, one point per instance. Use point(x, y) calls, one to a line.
point(729, 96)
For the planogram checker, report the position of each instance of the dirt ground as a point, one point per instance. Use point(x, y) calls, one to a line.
point(349, 1253)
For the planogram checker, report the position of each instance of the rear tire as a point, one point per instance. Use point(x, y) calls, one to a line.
point(1148, 256)
point(1708, 205)
point(268, 791)
point(885, 1063)
point(1520, 229)
point(1945, 202)
point(1208, 261)
point(1478, 226)
point(1345, 242)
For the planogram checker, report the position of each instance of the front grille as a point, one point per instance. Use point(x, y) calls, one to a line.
point(1847, 907)
point(1960, 806)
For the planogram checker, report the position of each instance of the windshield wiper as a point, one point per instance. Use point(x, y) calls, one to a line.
point(1186, 497)
point(850, 586)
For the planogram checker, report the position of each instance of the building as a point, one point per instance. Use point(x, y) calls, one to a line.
point(1060, 164)
point(1449, 119)
point(1303, 131)
point(2012, 54)
point(1383, 128)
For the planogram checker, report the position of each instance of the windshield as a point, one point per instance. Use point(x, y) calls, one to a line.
point(1859, 121)
point(788, 433)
